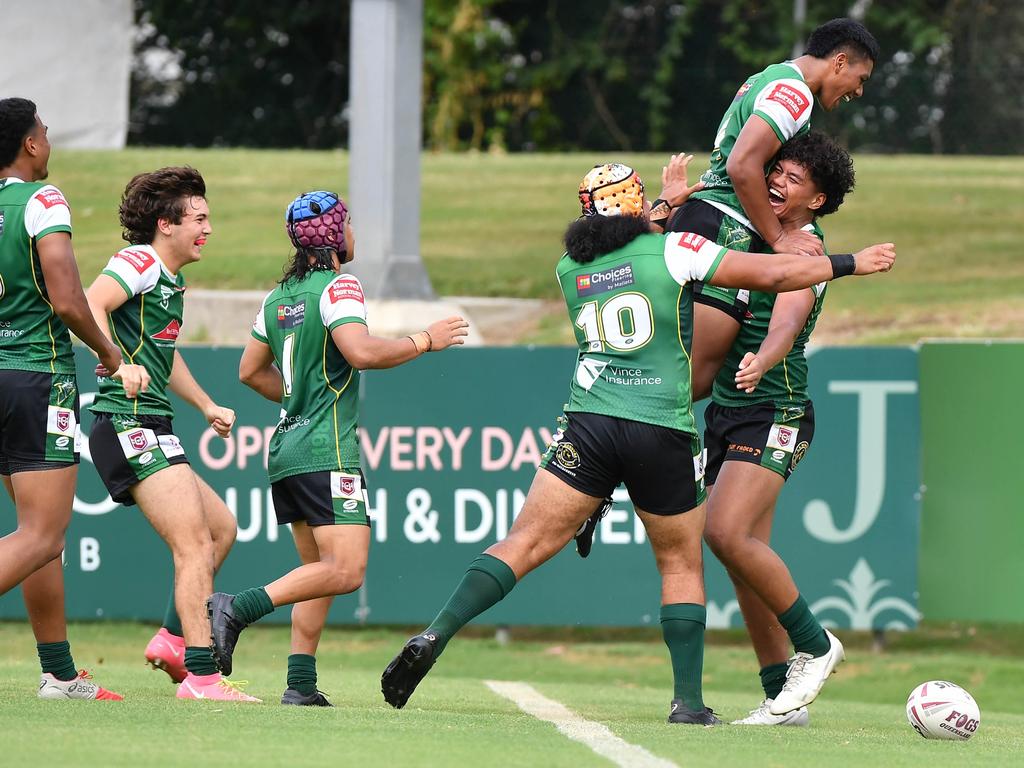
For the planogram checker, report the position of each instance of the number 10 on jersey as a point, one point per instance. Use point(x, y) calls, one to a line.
point(624, 323)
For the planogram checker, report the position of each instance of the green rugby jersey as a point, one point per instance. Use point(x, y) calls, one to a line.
point(632, 313)
point(781, 98)
point(32, 336)
point(317, 431)
point(786, 383)
point(145, 327)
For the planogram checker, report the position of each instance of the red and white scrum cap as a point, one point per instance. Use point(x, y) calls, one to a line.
point(612, 189)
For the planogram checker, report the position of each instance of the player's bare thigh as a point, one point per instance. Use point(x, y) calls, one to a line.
point(173, 503)
point(742, 502)
point(551, 514)
point(714, 331)
point(43, 498)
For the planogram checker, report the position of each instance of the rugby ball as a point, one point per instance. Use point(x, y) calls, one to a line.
point(943, 710)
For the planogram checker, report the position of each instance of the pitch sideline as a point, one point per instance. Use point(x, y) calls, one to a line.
point(594, 735)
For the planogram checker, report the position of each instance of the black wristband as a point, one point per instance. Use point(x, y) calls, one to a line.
point(843, 264)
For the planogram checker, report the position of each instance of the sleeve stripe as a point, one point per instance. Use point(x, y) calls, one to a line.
point(51, 230)
point(771, 124)
point(344, 321)
point(256, 335)
point(714, 264)
point(123, 284)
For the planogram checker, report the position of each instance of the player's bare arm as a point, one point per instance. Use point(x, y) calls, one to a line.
point(257, 371)
point(756, 145)
point(104, 296)
point(183, 384)
point(789, 315)
point(64, 287)
point(364, 351)
point(784, 272)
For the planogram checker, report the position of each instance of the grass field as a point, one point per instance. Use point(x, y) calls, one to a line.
point(491, 226)
point(620, 679)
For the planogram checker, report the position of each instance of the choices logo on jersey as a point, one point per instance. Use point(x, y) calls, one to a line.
point(346, 288)
point(693, 241)
point(790, 98)
point(290, 315)
point(606, 280)
point(743, 90)
point(50, 197)
point(140, 260)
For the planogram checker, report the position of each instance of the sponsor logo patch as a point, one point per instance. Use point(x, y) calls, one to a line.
point(699, 463)
point(170, 445)
point(63, 420)
point(350, 504)
point(51, 197)
point(799, 452)
point(790, 98)
point(783, 438)
point(567, 456)
point(589, 371)
point(605, 280)
point(63, 441)
point(346, 288)
point(290, 315)
point(139, 260)
point(145, 458)
point(693, 241)
point(136, 441)
point(60, 421)
point(779, 455)
point(345, 486)
point(169, 333)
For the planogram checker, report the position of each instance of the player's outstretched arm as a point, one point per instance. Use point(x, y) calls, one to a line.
point(756, 145)
point(257, 371)
point(789, 315)
point(364, 351)
point(64, 287)
point(675, 190)
point(184, 385)
point(780, 272)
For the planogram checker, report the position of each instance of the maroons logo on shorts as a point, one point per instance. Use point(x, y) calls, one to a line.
point(63, 420)
point(348, 486)
point(567, 456)
point(138, 440)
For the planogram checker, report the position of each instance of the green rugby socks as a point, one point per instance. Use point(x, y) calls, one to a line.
point(55, 658)
point(171, 621)
point(252, 605)
point(199, 661)
point(806, 634)
point(682, 626)
point(773, 677)
point(488, 580)
point(302, 673)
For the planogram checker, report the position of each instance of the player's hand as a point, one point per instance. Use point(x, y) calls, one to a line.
point(799, 241)
point(220, 418)
point(750, 372)
point(110, 361)
point(874, 258)
point(675, 187)
point(134, 379)
point(447, 333)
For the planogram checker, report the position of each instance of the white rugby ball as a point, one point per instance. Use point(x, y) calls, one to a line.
point(942, 710)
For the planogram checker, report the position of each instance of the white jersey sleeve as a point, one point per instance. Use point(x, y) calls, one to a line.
point(786, 106)
point(47, 211)
point(259, 325)
point(342, 302)
point(136, 268)
point(690, 257)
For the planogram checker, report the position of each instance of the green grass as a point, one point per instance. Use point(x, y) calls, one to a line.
point(491, 226)
point(620, 679)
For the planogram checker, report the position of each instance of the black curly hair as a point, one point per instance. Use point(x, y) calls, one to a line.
point(830, 167)
point(591, 236)
point(17, 120)
point(843, 35)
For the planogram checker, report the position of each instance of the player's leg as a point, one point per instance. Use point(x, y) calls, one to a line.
point(43, 500)
point(308, 620)
point(745, 491)
point(551, 514)
point(715, 327)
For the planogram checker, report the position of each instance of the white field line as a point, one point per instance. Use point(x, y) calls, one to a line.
point(594, 735)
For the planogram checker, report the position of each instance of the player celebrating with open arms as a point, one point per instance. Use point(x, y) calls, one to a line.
point(309, 343)
point(138, 297)
point(41, 297)
point(629, 419)
point(733, 207)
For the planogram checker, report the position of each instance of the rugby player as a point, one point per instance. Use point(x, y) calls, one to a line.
point(759, 426)
point(138, 299)
point(732, 209)
point(309, 343)
point(629, 419)
point(41, 298)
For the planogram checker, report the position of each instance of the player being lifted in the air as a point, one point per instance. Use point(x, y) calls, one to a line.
point(636, 428)
point(138, 298)
point(40, 299)
point(733, 207)
point(308, 345)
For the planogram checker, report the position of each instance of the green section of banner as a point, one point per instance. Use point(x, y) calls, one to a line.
point(972, 525)
point(450, 443)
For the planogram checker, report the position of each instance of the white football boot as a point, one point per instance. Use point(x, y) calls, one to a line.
point(806, 675)
point(81, 687)
point(761, 716)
